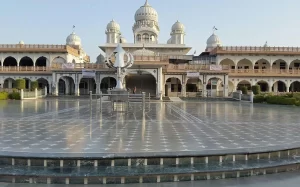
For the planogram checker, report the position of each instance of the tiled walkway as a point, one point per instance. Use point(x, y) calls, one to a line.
point(70, 127)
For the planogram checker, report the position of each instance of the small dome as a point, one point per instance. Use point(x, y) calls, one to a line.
point(213, 41)
point(143, 52)
point(113, 25)
point(21, 42)
point(73, 39)
point(178, 26)
point(169, 41)
point(100, 59)
point(146, 12)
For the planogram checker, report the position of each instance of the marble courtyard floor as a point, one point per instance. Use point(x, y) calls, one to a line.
point(71, 128)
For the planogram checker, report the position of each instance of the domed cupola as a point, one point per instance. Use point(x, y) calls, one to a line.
point(146, 12)
point(146, 28)
point(112, 32)
point(112, 25)
point(178, 27)
point(177, 33)
point(73, 40)
point(212, 42)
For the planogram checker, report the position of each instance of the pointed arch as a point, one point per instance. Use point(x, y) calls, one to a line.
point(262, 64)
point(245, 64)
point(279, 86)
point(280, 64)
point(295, 64)
point(10, 61)
point(26, 61)
point(245, 83)
point(228, 62)
point(295, 86)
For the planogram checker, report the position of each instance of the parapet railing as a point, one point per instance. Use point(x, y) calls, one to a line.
point(31, 46)
point(257, 49)
point(196, 67)
point(266, 71)
point(24, 68)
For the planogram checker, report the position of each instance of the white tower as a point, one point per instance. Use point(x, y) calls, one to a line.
point(177, 33)
point(146, 28)
point(112, 32)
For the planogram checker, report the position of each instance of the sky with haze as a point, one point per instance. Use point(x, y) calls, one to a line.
point(239, 22)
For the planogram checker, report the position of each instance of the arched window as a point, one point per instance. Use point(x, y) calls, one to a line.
point(146, 37)
point(138, 38)
point(152, 38)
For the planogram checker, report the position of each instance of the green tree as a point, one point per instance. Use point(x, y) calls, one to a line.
point(244, 90)
point(20, 84)
point(34, 85)
point(256, 89)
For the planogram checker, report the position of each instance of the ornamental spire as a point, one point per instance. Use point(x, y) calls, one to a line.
point(146, 3)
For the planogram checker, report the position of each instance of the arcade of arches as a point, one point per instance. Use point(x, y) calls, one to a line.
point(25, 61)
point(261, 64)
point(277, 86)
point(195, 88)
point(42, 83)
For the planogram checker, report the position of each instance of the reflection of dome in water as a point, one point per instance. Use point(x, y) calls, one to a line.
point(143, 52)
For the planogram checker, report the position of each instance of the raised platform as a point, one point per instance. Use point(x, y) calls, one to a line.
point(63, 141)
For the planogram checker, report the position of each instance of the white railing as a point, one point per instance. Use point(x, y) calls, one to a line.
point(258, 49)
point(29, 94)
point(239, 96)
point(33, 94)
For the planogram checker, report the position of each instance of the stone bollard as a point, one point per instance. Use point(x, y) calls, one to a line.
point(46, 91)
point(21, 94)
point(91, 97)
point(240, 95)
point(160, 96)
point(251, 96)
point(143, 100)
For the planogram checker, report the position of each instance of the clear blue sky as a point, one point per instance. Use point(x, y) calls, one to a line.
point(240, 22)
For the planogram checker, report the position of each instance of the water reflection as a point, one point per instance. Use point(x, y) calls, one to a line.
point(80, 128)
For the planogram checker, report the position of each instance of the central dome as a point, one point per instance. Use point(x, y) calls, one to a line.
point(73, 39)
point(213, 41)
point(146, 12)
